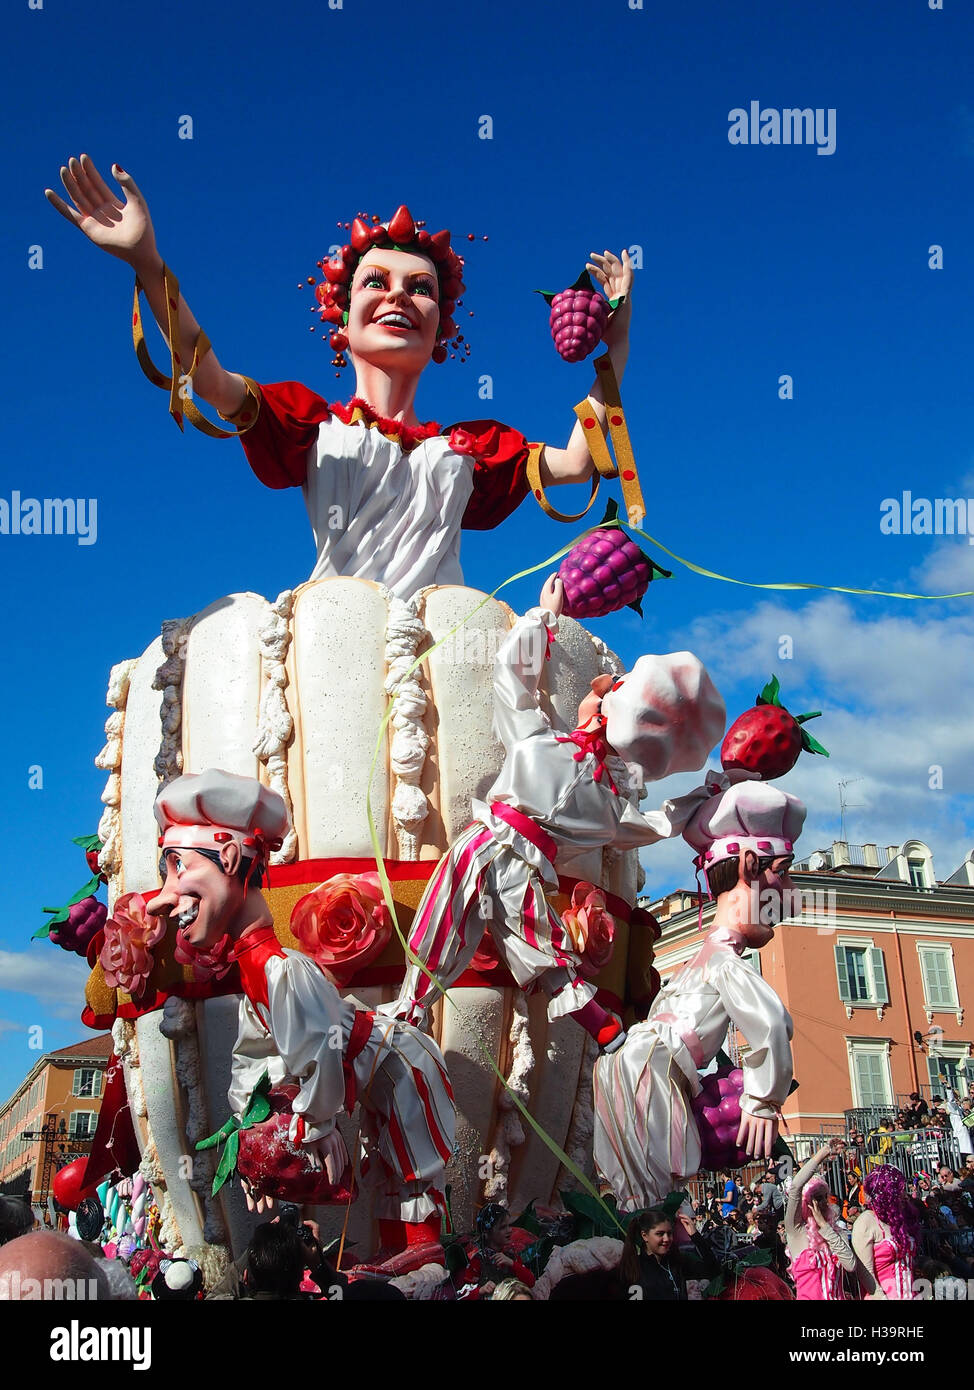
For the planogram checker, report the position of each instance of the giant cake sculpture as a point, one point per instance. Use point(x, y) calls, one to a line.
point(294, 693)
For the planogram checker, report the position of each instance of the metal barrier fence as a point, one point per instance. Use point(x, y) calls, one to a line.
point(924, 1152)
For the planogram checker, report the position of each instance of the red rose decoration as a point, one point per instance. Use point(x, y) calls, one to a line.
point(462, 441)
point(130, 934)
point(343, 923)
point(207, 965)
point(591, 928)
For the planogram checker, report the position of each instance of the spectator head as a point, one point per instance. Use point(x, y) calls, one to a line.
point(945, 1175)
point(15, 1218)
point(885, 1189)
point(493, 1225)
point(513, 1291)
point(275, 1260)
point(914, 1096)
point(50, 1258)
point(852, 1211)
point(650, 1233)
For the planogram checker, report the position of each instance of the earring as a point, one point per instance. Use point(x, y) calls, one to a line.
point(338, 340)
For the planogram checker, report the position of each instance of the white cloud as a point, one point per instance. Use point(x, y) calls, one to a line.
point(57, 983)
point(7, 1025)
point(894, 691)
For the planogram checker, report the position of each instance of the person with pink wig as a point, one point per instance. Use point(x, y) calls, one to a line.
point(817, 1249)
point(884, 1236)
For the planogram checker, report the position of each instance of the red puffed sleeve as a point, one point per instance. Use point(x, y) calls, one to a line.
point(500, 481)
point(287, 426)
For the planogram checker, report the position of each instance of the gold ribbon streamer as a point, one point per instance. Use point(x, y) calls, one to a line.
point(596, 433)
point(178, 405)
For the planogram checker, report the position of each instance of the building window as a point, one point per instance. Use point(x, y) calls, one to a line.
point(869, 1073)
point(939, 985)
point(87, 1083)
point(950, 1066)
point(861, 973)
point(82, 1124)
point(918, 872)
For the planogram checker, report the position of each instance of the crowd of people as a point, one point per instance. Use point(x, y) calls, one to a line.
point(787, 1233)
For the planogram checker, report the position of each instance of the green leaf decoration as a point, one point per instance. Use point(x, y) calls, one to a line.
point(716, 1286)
point(258, 1110)
point(584, 282)
point(755, 1258)
point(87, 842)
point(228, 1162)
point(769, 695)
point(812, 745)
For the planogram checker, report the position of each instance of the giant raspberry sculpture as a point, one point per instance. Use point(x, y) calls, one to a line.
point(578, 318)
point(606, 571)
point(766, 739)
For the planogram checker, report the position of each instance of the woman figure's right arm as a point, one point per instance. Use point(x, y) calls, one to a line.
point(124, 229)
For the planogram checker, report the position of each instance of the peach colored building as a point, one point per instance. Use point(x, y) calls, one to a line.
point(51, 1117)
point(877, 950)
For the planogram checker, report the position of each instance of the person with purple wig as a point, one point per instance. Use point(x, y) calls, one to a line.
point(884, 1237)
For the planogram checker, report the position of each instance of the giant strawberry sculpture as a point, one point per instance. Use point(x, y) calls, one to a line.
point(263, 1148)
point(767, 739)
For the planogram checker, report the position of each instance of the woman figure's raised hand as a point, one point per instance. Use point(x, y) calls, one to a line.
point(123, 229)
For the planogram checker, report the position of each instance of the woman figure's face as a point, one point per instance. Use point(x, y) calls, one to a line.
point(659, 1239)
point(393, 310)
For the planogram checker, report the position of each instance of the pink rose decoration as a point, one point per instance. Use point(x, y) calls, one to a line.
point(207, 965)
point(462, 441)
point(591, 928)
point(130, 935)
point(343, 923)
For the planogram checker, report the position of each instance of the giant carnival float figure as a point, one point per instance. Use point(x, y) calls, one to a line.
point(557, 796)
point(294, 1024)
point(364, 698)
point(648, 1137)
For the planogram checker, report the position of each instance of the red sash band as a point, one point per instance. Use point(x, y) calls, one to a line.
point(525, 826)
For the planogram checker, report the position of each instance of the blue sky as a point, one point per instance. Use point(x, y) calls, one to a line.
point(609, 129)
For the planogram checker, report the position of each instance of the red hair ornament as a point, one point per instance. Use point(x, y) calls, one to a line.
point(402, 233)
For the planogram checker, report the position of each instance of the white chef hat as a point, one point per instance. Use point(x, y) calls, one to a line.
point(665, 715)
point(748, 815)
point(204, 810)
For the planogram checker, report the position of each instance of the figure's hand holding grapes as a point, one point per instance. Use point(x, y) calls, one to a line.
point(122, 228)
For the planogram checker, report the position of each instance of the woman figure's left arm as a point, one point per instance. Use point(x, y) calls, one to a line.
point(573, 464)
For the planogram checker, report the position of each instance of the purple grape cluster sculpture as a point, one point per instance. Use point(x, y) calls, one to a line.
point(717, 1110)
point(83, 923)
point(578, 318)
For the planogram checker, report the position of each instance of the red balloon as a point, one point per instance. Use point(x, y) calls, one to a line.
point(67, 1184)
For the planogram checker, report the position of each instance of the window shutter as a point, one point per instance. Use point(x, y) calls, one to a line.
point(880, 987)
point(99, 1077)
point(842, 971)
point(75, 1084)
point(936, 979)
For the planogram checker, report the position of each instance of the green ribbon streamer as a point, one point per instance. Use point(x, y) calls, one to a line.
point(542, 1134)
